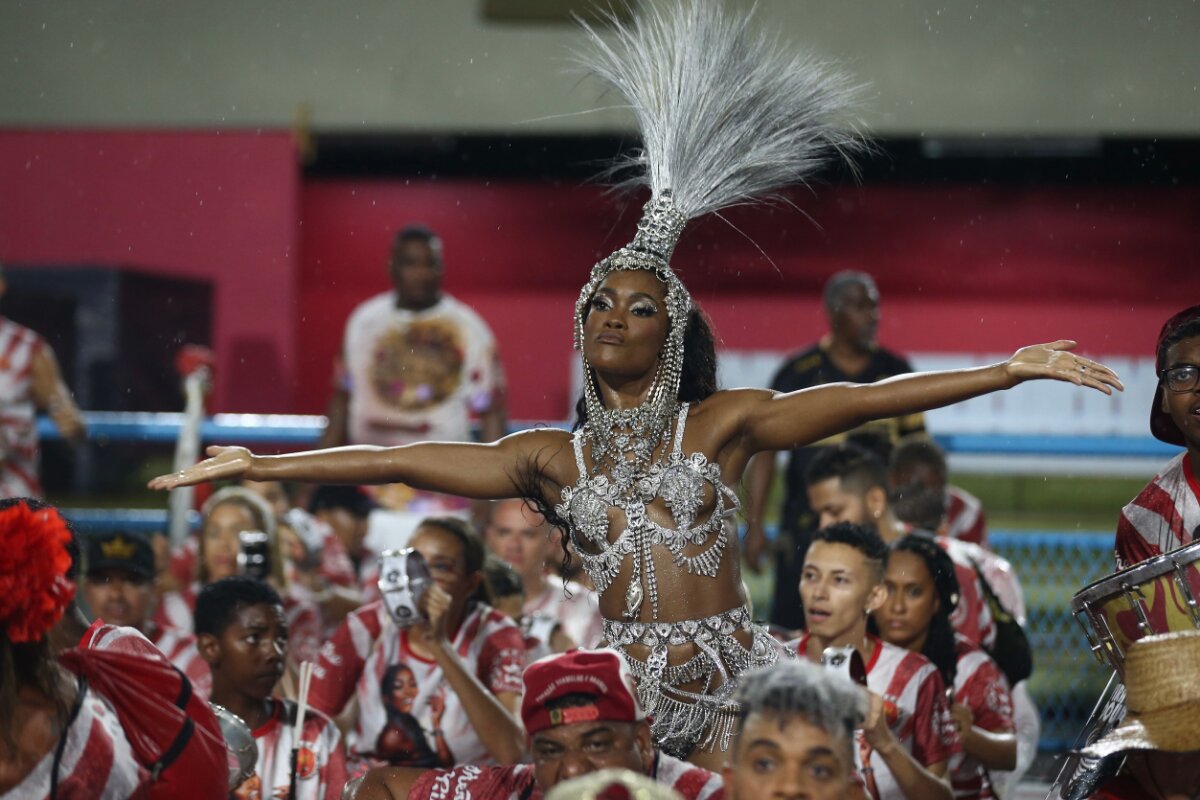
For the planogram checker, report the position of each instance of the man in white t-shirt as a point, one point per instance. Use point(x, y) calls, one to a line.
point(416, 365)
point(520, 536)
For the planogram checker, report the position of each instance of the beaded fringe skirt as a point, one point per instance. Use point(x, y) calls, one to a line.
point(686, 720)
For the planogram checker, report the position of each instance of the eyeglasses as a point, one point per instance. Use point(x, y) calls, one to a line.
point(1181, 379)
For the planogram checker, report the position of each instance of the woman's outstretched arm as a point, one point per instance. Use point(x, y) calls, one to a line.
point(483, 471)
point(782, 421)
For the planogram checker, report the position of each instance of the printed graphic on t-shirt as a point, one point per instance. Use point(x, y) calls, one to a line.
point(403, 742)
point(418, 366)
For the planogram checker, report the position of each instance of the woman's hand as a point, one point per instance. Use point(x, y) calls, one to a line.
point(1056, 361)
point(964, 720)
point(875, 727)
point(435, 608)
point(222, 463)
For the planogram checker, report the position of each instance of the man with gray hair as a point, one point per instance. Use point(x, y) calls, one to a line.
point(848, 353)
point(795, 734)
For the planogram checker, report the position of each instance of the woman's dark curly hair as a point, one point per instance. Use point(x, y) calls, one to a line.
point(939, 644)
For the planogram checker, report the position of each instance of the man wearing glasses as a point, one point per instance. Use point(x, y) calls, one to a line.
point(1166, 514)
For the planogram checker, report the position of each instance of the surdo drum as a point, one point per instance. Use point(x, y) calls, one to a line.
point(1159, 595)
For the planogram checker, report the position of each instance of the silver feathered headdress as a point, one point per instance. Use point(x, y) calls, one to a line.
point(728, 114)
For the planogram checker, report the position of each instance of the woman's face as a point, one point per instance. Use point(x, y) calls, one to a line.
point(905, 617)
point(404, 690)
point(443, 553)
point(293, 545)
point(627, 324)
point(220, 539)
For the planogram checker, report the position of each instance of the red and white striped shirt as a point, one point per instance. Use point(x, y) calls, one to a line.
point(320, 762)
point(336, 566)
point(972, 617)
point(980, 686)
point(144, 711)
point(1163, 517)
point(517, 782)
point(537, 630)
point(18, 417)
point(96, 764)
point(965, 519)
point(180, 650)
point(1000, 575)
point(914, 701)
point(408, 716)
point(578, 614)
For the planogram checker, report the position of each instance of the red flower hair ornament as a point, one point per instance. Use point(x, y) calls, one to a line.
point(34, 561)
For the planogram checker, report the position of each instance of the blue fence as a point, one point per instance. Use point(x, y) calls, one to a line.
point(299, 430)
point(1053, 566)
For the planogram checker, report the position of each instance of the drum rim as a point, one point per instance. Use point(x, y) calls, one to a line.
point(1152, 567)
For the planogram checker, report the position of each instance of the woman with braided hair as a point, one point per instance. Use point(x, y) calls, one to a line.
point(922, 591)
point(644, 484)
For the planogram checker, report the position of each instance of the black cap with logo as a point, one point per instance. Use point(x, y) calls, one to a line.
point(119, 550)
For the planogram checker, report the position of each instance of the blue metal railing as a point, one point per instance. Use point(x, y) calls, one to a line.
point(302, 430)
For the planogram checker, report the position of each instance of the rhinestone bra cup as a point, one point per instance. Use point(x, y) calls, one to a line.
point(676, 478)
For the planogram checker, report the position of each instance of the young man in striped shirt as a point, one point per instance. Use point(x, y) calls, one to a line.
point(909, 736)
point(242, 634)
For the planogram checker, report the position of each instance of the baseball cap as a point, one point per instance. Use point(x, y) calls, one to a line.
point(600, 673)
point(119, 550)
point(1161, 424)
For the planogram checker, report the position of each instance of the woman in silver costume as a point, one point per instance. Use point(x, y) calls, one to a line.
point(645, 482)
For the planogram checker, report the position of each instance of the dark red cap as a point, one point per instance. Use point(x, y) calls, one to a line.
point(601, 673)
point(1161, 424)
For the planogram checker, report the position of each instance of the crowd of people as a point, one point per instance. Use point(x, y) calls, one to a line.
point(445, 618)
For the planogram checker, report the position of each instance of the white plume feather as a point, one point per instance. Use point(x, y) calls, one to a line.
point(727, 112)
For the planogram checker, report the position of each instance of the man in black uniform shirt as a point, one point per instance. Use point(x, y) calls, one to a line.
point(848, 353)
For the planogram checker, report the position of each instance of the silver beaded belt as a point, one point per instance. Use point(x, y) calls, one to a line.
point(685, 720)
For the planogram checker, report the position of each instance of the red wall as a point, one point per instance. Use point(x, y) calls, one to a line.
point(961, 268)
point(218, 206)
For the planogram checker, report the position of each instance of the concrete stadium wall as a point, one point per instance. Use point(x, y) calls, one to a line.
point(1070, 67)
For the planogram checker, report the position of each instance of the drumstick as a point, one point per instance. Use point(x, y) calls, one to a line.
point(306, 671)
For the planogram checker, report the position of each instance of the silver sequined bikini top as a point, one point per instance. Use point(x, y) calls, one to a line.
point(679, 480)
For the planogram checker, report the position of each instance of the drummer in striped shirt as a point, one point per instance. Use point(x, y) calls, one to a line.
point(1166, 514)
point(242, 634)
point(909, 736)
